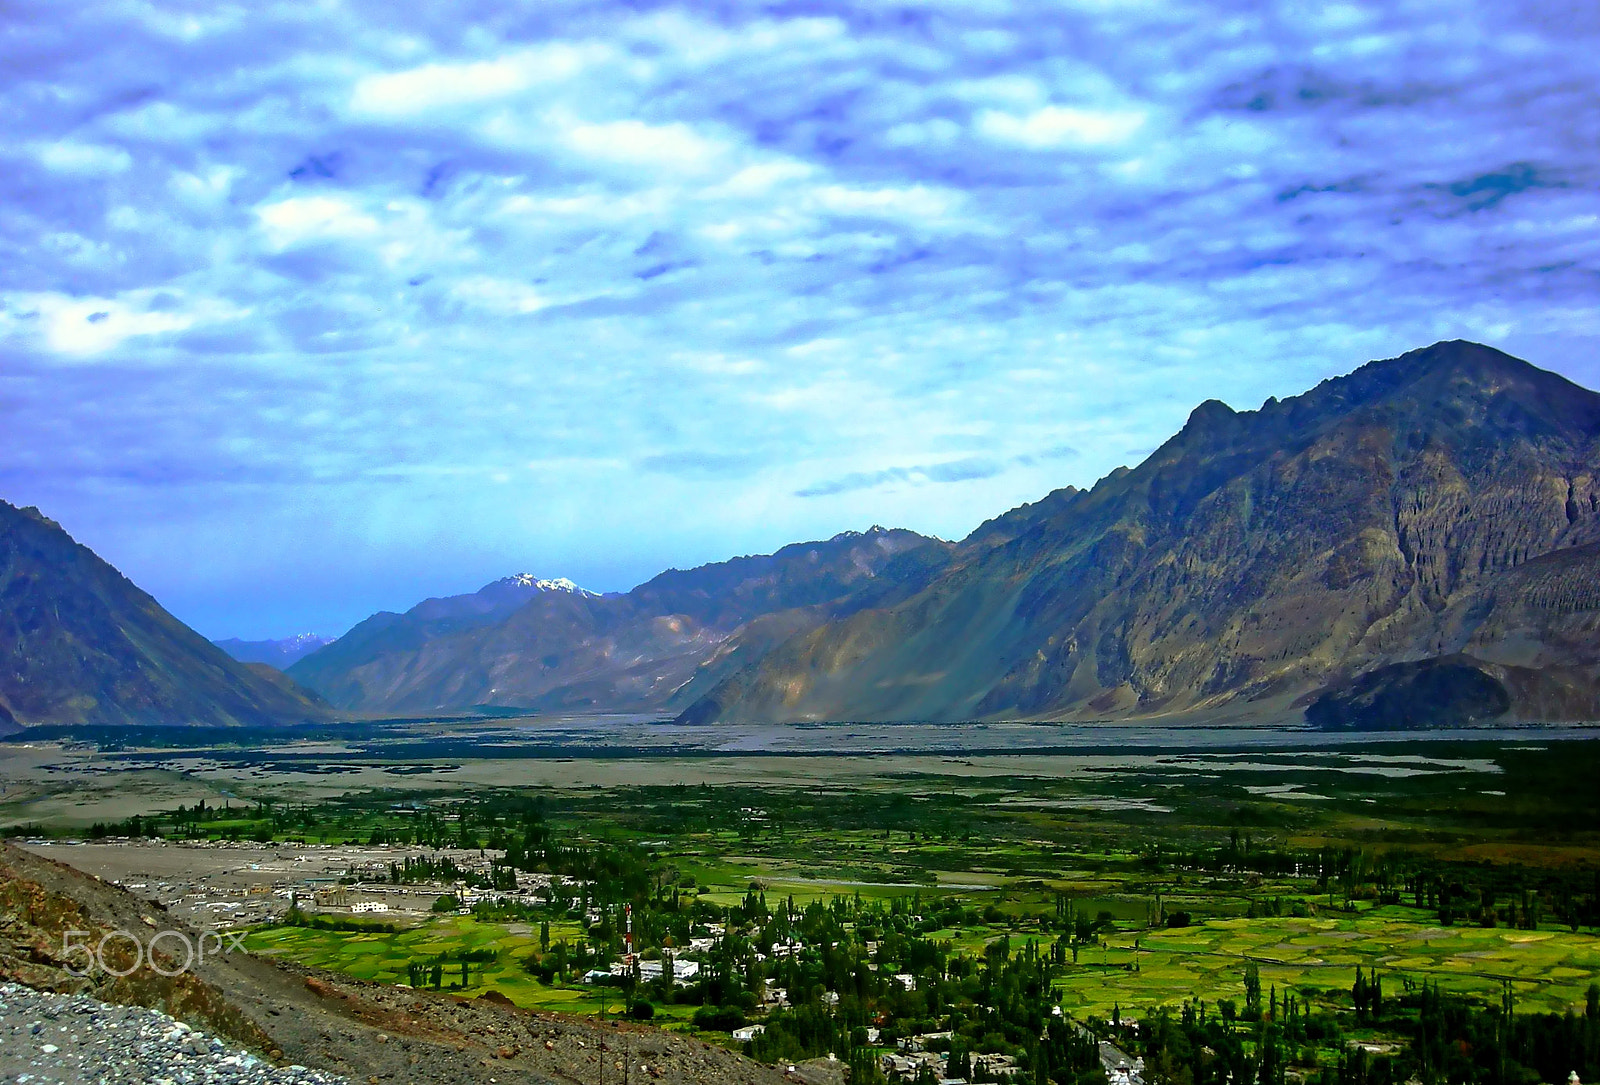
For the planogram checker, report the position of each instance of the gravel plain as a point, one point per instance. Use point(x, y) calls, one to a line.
point(51, 1039)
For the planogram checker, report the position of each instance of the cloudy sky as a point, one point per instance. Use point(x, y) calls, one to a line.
point(313, 308)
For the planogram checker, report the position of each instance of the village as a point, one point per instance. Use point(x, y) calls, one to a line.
point(755, 972)
point(230, 884)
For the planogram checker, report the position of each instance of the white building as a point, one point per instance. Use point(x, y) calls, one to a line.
point(682, 971)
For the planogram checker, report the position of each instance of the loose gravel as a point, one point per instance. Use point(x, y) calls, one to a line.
point(49, 1039)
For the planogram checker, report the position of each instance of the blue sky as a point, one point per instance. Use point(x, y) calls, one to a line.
point(310, 309)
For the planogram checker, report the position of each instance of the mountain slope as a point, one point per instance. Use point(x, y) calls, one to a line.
point(343, 671)
point(546, 644)
point(1438, 504)
point(80, 644)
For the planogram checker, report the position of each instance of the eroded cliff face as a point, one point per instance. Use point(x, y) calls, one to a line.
point(1442, 503)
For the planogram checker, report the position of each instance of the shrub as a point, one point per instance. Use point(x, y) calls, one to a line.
point(719, 1018)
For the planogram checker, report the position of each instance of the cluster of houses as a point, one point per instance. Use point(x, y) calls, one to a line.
point(226, 884)
point(685, 968)
point(684, 971)
point(984, 1067)
point(917, 1052)
point(913, 1054)
point(374, 894)
point(1119, 1068)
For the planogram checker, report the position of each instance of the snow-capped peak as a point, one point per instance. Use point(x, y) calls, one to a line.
point(560, 583)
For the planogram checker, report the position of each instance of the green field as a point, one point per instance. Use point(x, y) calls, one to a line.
point(383, 957)
point(1550, 969)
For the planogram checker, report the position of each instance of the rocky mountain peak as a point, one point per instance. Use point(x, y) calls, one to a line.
point(539, 584)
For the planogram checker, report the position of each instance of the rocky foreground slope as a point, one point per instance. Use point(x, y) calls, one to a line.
point(51, 1039)
point(1417, 543)
point(285, 1016)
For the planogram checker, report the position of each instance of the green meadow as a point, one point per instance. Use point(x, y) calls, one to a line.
point(1132, 970)
point(383, 957)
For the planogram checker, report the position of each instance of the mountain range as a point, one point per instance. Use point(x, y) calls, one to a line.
point(1415, 541)
point(81, 645)
point(527, 643)
point(1414, 544)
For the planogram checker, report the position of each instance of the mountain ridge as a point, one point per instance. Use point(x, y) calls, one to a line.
point(1102, 603)
point(82, 644)
point(642, 650)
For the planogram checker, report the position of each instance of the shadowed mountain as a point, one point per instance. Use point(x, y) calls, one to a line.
point(526, 643)
point(1438, 506)
point(80, 644)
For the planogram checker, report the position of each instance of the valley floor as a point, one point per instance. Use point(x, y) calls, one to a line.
point(868, 904)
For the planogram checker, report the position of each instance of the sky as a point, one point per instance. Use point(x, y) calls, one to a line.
point(317, 308)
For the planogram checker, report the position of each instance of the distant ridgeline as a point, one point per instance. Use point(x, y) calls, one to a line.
point(276, 653)
point(1413, 545)
point(1416, 544)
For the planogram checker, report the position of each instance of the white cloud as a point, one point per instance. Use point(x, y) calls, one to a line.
point(1060, 126)
point(1015, 90)
point(85, 326)
point(676, 146)
point(763, 176)
point(579, 207)
point(301, 217)
point(442, 85)
point(504, 296)
point(84, 158)
point(915, 202)
point(702, 41)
